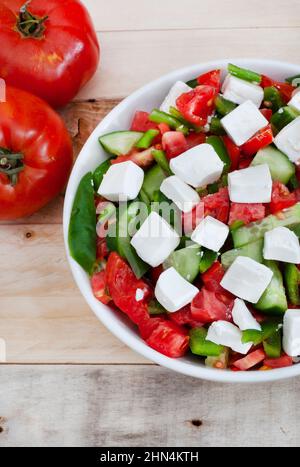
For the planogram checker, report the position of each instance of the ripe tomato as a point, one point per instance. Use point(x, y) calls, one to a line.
point(194, 139)
point(122, 286)
point(141, 122)
point(174, 144)
point(217, 205)
point(99, 286)
point(48, 47)
point(141, 158)
point(267, 113)
point(165, 336)
point(213, 276)
point(246, 212)
point(233, 151)
point(211, 78)
point(33, 131)
point(184, 317)
point(196, 105)
point(251, 360)
point(280, 362)
point(282, 198)
point(286, 89)
point(260, 140)
point(191, 219)
point(206, 307)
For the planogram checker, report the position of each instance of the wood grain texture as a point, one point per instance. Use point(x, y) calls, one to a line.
point(141, 406)
point(191, 14)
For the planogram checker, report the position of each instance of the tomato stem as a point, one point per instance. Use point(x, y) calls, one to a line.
point(30, 25)
point(11, 164)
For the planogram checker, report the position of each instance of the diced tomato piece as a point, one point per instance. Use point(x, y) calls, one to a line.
point(165, 336)
point(196, 105)
point(286, 89)
point(143, 159)
point(99, 286)
point(174, 143)
point(163, 128)
point(282, 198)
point(281, 362)
point(194, 139)
point(191, 219)
point(184, 317)
point(233, 151)
point(251, 360)
point(141, 122)
point(155, 273)
point(245, 162)
point(206, 307)
point(213, 275)
point(102, 250)
point(260, 140)
point(267, 113)
point(211, 78)
point(217, 205)
point(122, 285)
point(246, 212)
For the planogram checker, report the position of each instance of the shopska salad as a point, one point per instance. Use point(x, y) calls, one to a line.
point(191, 226)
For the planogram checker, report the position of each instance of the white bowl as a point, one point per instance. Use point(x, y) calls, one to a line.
point(92, 155)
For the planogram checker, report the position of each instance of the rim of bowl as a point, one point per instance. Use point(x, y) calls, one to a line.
point(114, 323)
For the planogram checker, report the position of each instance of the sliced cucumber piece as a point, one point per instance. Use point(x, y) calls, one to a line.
point(281, 168)
point(251, 250)
point(186, 262)
point(250, 233)
point(273, 300)
point(200, 346)
point(120, 142)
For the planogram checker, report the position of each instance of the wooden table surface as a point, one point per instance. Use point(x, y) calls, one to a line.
point(67, 380)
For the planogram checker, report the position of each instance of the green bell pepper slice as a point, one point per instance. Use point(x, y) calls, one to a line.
point(200, 346)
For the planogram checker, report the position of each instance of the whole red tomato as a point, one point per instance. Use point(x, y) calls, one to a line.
point(35, 154)
point(48, 47)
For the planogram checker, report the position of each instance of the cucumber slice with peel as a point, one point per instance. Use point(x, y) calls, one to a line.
point(186, 261)
point(273, 300)
point(120, 142)
point(281, 168)
point(251, 250)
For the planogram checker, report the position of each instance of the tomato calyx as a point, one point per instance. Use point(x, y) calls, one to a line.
point(11, 164)
point(28, 24)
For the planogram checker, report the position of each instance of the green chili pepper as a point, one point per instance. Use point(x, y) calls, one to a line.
point(175, 113)
point(292, 279)
point(244, 74)
point(193, 83)
point(157, 116)
point(207, 259)
point(82, 228)
point(224, 106)
point(100, 172)
point(272, 345)
point(283, 117)
point(273, 99)
point(220, 148)
point(200, 346)
point(147, 139)
point(161, 159)
point(216, 127)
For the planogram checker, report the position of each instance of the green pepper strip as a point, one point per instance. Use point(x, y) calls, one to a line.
point(272, 345)
point(157, 116)
point(273, 99)
point(220, 148)
point(244, 74)
point(216, 127)
point(292, 279)
point(147, 139)
point(161, 159)
point(100, 172)
point(294, 80)
point(207, 260)
point(200, 346)
point(224, 106)
point(192, 83)
point(268, 328)
point(283, 117)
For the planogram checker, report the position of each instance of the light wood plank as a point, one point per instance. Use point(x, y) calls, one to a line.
point(131, 59)
point(142, 406)
point(191, 14)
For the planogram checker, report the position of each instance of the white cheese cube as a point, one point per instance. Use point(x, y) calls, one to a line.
point(239, 91)
point(170, 100)
point(173, 291)
point(247, 279)
point(122, 182)
point(180, 193)
point(251, 185)
point(242, 316)
point(155, 240)
point(288, 140)
point(281, 244)
point(243, 122)
point(211, 233)
point(295, 101)
point(198, 166)
point(291, 333)
point(224, 333)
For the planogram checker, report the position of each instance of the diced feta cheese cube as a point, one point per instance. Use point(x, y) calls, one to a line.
point(291, 333)
point(239, 91)
point(243, 122)
point(247, 279)
point(251, 185)
point(155, 240)
point(122, 182)
point(170, 100)
point(281, 244)
point(185, 197)
point(295, 101)
point(288, 140)
point(198, 166)
point(173, 292)
point(211, 233)
point(242, 316)
point(225, 333)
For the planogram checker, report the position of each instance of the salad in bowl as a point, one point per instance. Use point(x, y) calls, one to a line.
point(190, 226)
